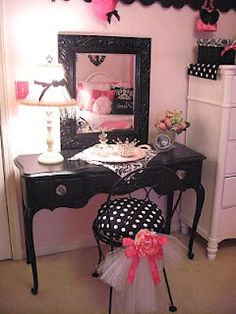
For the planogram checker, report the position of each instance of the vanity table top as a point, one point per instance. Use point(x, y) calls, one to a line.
point(29, 166)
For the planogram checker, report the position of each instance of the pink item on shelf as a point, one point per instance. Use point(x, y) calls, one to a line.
point(22, 89)
point(202, 27)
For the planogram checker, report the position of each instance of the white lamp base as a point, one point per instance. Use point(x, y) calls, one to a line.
point(50, 158)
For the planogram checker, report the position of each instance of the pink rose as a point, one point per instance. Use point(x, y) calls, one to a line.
point(168, 123)
point(162, 126)
point(149, 243)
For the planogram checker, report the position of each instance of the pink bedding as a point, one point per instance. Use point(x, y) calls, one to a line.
point(111, 125)
point(107, 122)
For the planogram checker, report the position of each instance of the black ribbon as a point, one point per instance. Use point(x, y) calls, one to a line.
point(109, 15)
point(47, 85)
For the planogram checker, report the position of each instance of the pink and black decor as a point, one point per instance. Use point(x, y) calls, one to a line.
point(208, 17)
point(209, 9)
point(221, 5)
point(212, 52)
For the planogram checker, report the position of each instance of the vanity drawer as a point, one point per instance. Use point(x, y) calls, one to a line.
point(230, 162)
point(98, 183)
point(229, 192)
point(59, 192)
point(190, 174)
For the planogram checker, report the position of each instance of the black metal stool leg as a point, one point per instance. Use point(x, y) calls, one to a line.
point(172, 307)
point(100, 257)
point(110, 300)
point(110, 293)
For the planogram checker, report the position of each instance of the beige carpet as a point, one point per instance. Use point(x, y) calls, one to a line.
point(199, 286)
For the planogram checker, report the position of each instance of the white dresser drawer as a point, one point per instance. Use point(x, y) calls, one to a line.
point(230, 161)
point(227, 223)
point(229, 192)
point(232, 124)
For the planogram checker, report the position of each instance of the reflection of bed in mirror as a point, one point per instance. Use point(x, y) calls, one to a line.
point(104, 103)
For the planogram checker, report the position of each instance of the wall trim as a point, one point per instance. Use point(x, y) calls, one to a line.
point(8, 162)
point(72, 244)
point(188, 222)
point(76, 244)
point(65, 246)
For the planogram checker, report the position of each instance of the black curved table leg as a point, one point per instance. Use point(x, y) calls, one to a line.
point(200, 193)
point(31, 251)
point(26, 236)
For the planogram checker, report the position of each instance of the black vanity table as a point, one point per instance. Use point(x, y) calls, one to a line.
point(72, 183)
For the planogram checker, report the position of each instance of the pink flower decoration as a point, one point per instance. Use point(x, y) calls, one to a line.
point(172, 120)
point(162, 126)
point(102, 7)
point(149, 243)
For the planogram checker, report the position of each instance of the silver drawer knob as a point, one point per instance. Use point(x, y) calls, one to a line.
point(61, 190)
point(181, 174)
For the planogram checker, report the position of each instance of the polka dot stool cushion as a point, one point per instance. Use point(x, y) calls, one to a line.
point(127, 217)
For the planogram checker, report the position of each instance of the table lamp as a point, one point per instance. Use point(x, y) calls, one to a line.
point(49, 90)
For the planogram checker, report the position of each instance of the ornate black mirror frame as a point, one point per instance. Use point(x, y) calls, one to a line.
point(71, 44)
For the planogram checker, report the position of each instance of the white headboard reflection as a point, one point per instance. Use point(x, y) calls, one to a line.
point(99, 77)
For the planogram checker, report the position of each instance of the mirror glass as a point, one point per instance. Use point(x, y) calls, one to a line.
point(109, 77)
point(105, 92)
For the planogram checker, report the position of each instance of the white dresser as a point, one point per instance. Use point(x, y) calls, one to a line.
point(212, 113)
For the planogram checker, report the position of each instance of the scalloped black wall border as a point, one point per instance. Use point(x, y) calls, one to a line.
point(221, 5)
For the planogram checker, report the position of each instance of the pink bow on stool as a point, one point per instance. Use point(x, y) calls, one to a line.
point(146, 244)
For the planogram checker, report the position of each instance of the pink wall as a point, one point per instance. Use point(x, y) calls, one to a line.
point(31, 29)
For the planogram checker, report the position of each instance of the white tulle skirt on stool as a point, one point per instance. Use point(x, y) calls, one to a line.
point(135, 271)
